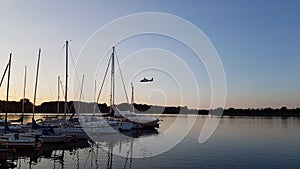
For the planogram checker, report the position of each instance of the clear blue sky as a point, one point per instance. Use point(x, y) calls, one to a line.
point(258, 43)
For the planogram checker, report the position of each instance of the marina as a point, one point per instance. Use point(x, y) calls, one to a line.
point(31, 136)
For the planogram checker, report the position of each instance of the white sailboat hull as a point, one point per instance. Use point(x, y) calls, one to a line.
point(16, 141)
point(77, 133)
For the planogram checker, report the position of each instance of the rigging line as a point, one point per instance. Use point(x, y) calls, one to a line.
point(43, 70)
point(50, 88)
point(76, 73)
point(73, 62)
point(106, 71)
point(109, 60)
point(62, 87)
point(63, 46)
point(122, 78)
point(4, 74)
point(81, 88)
point(70, 54)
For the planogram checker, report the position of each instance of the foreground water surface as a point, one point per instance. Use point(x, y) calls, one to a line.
point(238, 142)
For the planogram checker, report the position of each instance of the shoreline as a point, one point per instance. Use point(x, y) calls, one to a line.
point(51, 109)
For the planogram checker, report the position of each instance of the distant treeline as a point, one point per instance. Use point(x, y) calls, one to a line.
point(83, 107)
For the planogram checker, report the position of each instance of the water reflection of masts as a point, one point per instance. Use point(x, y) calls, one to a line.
point(56, 152)
point(58, 159)
point(93, 156)
point(97, 153)
point(130, 151)
point(110, 155)
point(127, 158)
point(77, 158)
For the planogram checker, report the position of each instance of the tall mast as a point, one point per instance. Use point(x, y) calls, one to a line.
point(7, 91)
point(24, 91)
point(112, 94)
point(95, 90)
point(66, 89)
point(58, 87)
point(132, 97)
point(81, 88)
point(36, 82)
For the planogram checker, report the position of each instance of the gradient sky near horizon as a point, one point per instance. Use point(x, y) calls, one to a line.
point(258, 43)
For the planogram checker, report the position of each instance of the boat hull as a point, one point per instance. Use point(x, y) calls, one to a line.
point(56, 139)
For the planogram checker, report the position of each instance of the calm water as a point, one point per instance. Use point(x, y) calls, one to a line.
point(239, 142)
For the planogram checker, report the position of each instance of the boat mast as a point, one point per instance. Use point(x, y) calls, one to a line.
point(36, 82)
point(24, 92)
point(66, 89)
point(58, 87)
point(7, 91)
point(132, 97)
point(95, 90)
point(112, 94)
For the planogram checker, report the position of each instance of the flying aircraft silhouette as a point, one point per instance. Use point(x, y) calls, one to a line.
point(146, 80)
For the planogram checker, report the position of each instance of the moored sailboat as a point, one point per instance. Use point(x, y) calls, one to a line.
point(128, 120)
point(14, 140)
point(17, 141)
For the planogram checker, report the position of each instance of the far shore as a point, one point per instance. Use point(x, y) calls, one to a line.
point(54, 107)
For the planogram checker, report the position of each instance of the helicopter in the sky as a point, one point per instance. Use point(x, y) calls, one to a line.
point(146, 80)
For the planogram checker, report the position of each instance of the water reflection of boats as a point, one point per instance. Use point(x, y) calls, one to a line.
point(48, 149)
point(122, 137)
point(55, 138)
point(120, 142)
point(86, 154)
point(6, 160)
point(9, 158)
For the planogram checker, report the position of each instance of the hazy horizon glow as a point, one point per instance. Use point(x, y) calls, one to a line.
point(258, 43)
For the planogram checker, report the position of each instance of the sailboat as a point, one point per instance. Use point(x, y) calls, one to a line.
point(128, 120)
point(17, 141)
point(21, 119)
point(46, 136)
point(138, 122)
point(5, 123)
point(13, 139)
point(75, 132)
point(100, 125)
point(34, 124)
point(96, 126)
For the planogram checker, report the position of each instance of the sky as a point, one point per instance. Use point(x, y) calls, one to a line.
point(258, 43)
